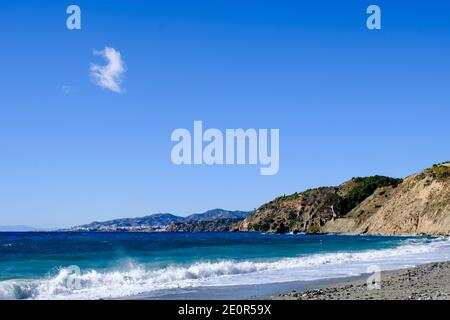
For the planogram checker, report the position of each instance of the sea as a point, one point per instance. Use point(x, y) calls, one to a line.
point(60, 265)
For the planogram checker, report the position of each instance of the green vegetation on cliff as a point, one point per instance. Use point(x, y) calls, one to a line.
point(439, 171)
point(308, 211)
point(362, 188)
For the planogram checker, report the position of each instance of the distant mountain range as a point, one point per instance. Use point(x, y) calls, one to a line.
point(159, 222)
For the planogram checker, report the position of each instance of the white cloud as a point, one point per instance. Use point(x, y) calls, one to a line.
point(110, 75)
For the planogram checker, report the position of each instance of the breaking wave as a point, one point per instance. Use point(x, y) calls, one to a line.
point(72, 283)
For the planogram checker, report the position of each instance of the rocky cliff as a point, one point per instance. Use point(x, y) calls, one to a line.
point(419, 204)
point(310, 210)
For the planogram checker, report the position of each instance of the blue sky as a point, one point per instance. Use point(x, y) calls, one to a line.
point(348, 101)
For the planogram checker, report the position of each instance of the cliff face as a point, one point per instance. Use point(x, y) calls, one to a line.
point(300, 212)
point(309, 211)
point(420, 204)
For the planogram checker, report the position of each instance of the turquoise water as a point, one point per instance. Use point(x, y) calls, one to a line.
point(112, 265)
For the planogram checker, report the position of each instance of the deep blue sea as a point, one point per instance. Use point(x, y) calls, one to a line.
point(120, 265)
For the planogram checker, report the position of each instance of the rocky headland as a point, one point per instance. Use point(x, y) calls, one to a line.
point(418, 204)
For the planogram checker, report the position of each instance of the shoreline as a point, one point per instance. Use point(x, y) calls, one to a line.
point(429, 281)
point(236, 292)
point(424, 282)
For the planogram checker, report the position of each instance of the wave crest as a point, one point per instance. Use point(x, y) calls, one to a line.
point(70, 283)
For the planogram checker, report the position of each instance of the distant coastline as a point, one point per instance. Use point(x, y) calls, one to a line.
point(377, 205)
point(211, 220)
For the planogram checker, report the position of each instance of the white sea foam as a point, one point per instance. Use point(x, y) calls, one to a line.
point(138, 279)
